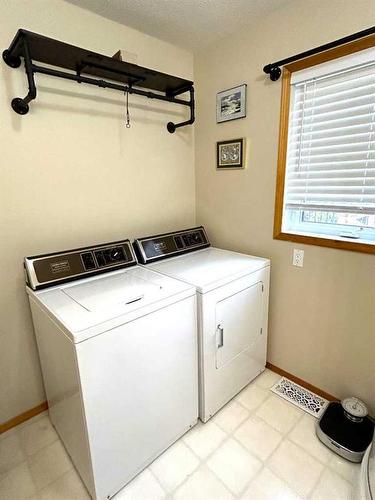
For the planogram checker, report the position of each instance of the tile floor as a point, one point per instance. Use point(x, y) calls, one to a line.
point(258, 447)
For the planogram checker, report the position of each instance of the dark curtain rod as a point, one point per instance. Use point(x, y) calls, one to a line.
point(274, 69)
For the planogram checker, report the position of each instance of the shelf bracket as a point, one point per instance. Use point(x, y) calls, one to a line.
point(19, 105)
point(173, 126)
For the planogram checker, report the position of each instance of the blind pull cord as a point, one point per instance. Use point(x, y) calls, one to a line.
point(127, 110)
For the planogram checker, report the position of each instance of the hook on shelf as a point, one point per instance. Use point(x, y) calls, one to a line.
point(127, 125)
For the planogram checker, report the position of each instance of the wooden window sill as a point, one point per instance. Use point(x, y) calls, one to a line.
point(326, 242)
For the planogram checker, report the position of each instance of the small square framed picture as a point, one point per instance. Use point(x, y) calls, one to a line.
point(230, 154)
point(231, 104)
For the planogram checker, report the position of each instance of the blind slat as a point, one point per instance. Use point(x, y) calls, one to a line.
point(312, 115)
point(307, 148)
point(334, 173)
point(326, 125)
point(335, 140)
point(347, 103)
point(310, 95)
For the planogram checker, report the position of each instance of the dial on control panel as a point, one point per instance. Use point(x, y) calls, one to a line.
point(110, 256)
point(103, 257)
point(191, 239)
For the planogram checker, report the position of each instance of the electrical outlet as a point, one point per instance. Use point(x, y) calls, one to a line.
point(298, 257)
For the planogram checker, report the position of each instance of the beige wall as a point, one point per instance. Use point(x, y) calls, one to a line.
point(72, 174)
point(322, 317)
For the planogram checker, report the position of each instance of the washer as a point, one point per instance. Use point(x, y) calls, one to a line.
point(118, 350)
point(232, 299)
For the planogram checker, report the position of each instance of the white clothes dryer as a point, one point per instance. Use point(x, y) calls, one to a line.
point(118, 350)
point(232, 300)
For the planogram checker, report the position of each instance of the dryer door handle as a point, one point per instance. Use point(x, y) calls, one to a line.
point(220, 335)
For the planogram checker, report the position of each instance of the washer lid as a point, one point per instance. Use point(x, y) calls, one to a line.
point(113, 291)
point(94, 305)
point(210, 268)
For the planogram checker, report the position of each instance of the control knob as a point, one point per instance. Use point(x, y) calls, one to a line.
point(115, 254)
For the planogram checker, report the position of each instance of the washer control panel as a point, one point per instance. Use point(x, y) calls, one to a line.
point(162, 246)
point(52, 269)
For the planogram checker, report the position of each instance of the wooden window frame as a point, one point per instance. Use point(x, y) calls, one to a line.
point(329, 55)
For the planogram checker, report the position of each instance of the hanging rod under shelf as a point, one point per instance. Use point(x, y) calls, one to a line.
point(123, 76)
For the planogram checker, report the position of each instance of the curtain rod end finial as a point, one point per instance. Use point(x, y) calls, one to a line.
point(275, 73)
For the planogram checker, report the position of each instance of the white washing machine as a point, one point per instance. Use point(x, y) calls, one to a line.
point(118, 350)
point(232, 299)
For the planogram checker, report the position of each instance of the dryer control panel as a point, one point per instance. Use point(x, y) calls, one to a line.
point(52, 269)
point(161, 246)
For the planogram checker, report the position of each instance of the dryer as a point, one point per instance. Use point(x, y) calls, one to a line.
point(232, 300)
point(118, 350)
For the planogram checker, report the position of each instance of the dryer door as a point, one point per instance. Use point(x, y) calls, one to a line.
point(238, 323)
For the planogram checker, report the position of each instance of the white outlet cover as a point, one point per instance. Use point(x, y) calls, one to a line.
point(298, 256)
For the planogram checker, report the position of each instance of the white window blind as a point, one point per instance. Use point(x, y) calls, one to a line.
point(331, 153)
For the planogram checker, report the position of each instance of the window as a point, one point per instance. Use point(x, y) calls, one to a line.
point(326, 174)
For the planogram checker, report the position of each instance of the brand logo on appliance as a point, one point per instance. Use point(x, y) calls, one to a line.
point(60, 267)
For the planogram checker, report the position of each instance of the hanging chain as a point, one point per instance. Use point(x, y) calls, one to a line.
point(127, 110)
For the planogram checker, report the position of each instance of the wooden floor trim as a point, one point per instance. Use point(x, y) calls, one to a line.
point(26, 415)
point(301, 382)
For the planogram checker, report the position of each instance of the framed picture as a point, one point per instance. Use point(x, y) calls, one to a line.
point(230, 154)
point(231, 104)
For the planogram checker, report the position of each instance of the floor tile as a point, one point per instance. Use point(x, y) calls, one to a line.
point(252, 396)
point(304, 435)
point(174, 465)
point(299, 469)
point(67, 487)
point(231, 416)
point(331, 486)
point(143, 487)
point(267, 379)
point(11, 452)
point(258, 437)
point(49, 464)
point(267, 486)
point(203, 439)
point(17, 484)
point(202, 485)
point(234, 465)
point(344, 468)
point(280, 414)
point(37, 435)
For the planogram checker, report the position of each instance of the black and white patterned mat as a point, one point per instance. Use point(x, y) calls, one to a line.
point(299, 396)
